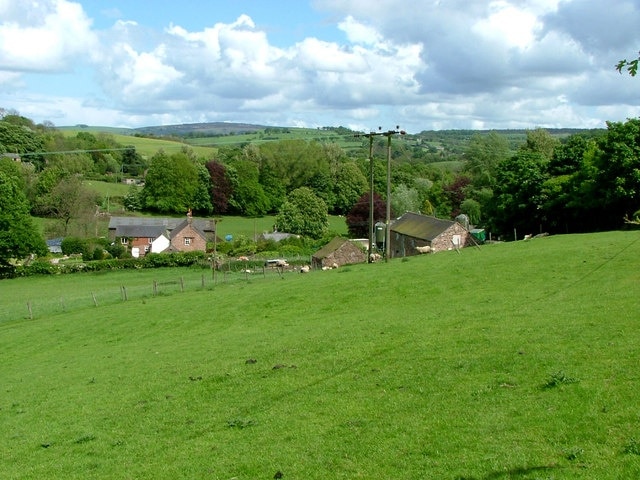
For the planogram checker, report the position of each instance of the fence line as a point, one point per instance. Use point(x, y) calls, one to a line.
point(42, 307)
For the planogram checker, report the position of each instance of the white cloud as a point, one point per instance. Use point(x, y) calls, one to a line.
point(423, 64)
point(44, 36)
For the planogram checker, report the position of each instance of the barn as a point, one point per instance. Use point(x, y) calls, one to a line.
point(339, 251)
point(413, 230)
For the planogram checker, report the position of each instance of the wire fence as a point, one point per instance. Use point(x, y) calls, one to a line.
point(99, 291)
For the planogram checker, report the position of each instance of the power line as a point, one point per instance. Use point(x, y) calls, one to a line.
point(76, 151)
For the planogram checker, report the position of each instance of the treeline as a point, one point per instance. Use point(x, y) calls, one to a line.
point(559, 181)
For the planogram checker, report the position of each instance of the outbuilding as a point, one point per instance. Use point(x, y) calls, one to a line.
point(413, 230)
point(339, 251)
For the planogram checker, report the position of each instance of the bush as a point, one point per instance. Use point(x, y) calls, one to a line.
point(71, 245)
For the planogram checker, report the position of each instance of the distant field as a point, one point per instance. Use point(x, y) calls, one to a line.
point(148, 146)
point(293, 134)
point(509, 361)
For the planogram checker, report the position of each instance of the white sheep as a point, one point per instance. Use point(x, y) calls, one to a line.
point(305, 269)
point(425, 249)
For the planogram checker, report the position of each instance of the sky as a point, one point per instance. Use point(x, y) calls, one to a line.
point(419, 64)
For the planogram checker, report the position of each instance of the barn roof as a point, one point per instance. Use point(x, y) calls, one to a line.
point(419, 226)
point(330, 247)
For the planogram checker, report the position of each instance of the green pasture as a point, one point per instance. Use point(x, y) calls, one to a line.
point(148, 147)
point(259, 137)
point(508, 361)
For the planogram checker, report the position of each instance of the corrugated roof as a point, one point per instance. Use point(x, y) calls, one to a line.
point(330, 247)
point(419, 226)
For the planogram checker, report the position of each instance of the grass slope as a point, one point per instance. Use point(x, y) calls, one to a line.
point(510, 361)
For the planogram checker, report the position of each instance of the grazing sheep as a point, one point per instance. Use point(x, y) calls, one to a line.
point(335, 265)
point(375, 257)
point(425, 249)
point(305, 269)
point(528, 237)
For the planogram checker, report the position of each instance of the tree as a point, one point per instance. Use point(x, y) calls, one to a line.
point(483, 154)
point(303, 213)
point(248, 196)
point(618, 178)
point(19, 237)
point(221, 188)
point(20, 138)
point(630, 65)
point(69, 199)
point(517, 201)
point(540, 141)
point(349, 185)
point(171, 184)
point(358, 216)
point(405, 199)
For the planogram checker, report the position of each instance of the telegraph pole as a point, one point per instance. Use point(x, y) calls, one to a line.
point(370, 136)
point(387, 234)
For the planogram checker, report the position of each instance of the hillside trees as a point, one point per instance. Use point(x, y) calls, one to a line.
point(21, 139)
point(517, 200)
point(618, 177)
point(349, 185)
point(248, 196)
point(303, 213)
point(173, 185)
point(19, 237)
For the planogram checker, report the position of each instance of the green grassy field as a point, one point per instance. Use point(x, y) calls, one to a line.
point(147, 146)
point(509, 361)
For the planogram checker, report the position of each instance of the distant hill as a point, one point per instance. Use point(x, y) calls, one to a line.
point(178, 130)
point(200, 129)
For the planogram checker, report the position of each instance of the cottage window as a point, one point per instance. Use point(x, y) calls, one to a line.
point(187, 240)
point(124, 240)
point(150, 240)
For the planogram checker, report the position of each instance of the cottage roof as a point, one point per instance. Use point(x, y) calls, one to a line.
point(183, 224)
point(330, 247)
point(419, 226)
point(140, 231)
point(168, 223)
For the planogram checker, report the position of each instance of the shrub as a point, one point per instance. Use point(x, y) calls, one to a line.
point(71, 245)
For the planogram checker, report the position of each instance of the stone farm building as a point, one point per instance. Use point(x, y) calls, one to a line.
point(338, 251)
point(413, 230)
point(141, 235)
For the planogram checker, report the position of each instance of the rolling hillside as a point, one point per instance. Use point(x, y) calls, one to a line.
point(513, 360)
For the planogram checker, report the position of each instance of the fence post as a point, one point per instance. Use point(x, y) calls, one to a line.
point(30, 311)
point(95, 302)
point(182, 284)
point(155, 288)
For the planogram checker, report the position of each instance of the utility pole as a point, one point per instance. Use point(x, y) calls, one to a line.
point(387, 237)
point(370, 136)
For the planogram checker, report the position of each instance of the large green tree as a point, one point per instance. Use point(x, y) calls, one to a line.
point(19, 237)
point(172, 184)
point(303, 213)
point(517, 201)
point(248, 195)
point(349, 185)
point(618, 178)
